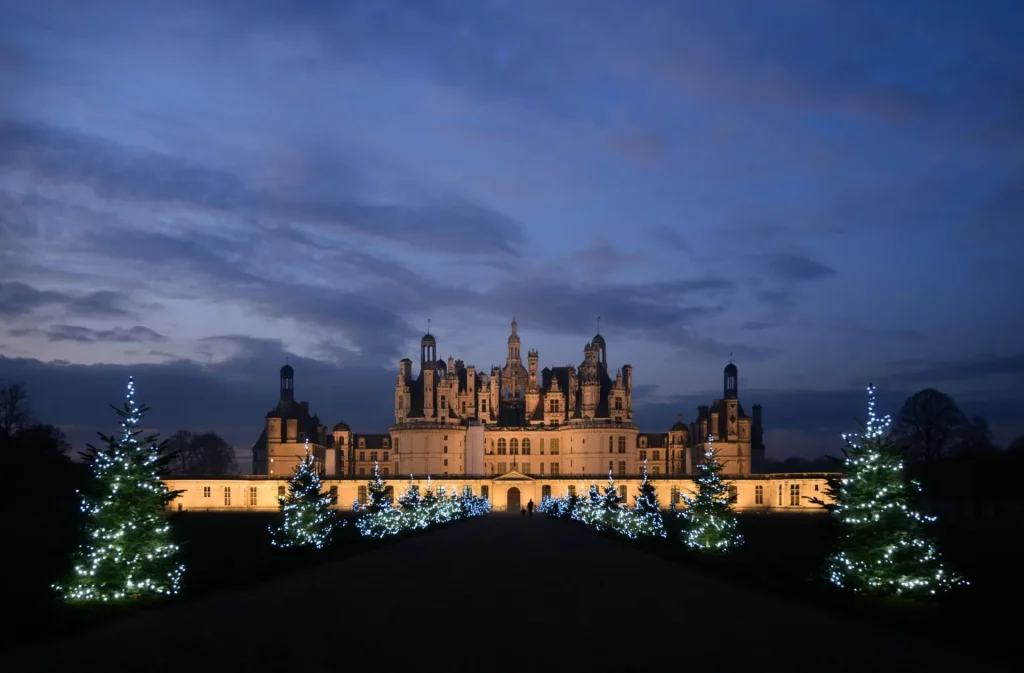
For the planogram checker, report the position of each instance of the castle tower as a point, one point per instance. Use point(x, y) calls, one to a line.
point(403, 393)
point(428, 350)
point(731, 378)
point(679, 462)
point(601, 349)
point(428, 394)
point(532, 360)
point(513, 345)
point(287, 383)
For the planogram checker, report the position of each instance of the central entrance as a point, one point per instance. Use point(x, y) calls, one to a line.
point(513, 500)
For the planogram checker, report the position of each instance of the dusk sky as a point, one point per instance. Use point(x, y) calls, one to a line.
point(192, 191)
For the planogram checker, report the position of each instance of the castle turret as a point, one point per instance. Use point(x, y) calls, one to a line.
point(428, 350)
point(573, 390)
point(287, 383)
point(428, 394)
point(532, 360)
point(731, 378)
point(403, 390)
point(513, 344)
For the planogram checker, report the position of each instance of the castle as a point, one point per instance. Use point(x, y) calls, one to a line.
point(515, 434)
point(569, 420)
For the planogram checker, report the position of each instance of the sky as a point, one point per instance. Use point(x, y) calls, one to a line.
point(829, 193)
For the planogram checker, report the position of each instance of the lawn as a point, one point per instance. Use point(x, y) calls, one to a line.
point(784, 553)
point(220, 551)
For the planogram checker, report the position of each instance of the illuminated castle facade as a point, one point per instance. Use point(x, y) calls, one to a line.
point(565, 421)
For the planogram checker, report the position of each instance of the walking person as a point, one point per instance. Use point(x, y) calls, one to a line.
point(524, 512)
point(529, 507)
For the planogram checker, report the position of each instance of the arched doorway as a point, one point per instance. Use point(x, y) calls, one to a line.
point(513, 500)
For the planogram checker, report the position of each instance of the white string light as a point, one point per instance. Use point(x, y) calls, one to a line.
point(129, 552)
point(415, 512)
point(307, 517)
point(884, 547)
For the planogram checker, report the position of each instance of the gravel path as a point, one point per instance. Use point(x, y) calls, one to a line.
point(499, 593)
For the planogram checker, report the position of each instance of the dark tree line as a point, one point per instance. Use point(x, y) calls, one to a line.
point(205, 453)
point(953, 456)
point(33, 444)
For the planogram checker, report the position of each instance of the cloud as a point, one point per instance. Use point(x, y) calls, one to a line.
point(18, 299)
point(231, 396)
point(968, 369)
point(795, 267)
point(417, 217)
point(88, 335)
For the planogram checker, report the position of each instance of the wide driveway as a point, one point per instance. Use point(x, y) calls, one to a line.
point(499, 593)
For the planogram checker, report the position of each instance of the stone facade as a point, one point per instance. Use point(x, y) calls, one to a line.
point(511, 491)
point(451, 419)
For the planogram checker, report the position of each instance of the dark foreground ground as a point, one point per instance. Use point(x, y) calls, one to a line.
point(494, 594)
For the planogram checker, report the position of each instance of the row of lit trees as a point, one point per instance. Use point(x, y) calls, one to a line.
point(709, 522)
point(884, 544)
point(382, 517)
point(128, 551)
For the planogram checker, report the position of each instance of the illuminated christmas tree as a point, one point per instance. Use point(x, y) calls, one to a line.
point(377, 493)
point(647, 515)
point(128, 552)
point(709, 520)
point(611, 498)
point(308, 519)
point(428, 497)
point(884, 547)
point(410, 499)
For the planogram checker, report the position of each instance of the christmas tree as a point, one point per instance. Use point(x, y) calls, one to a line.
point(646, 514)
point(308, 519)
point(884, 546)
point(428, 497)
point(128, 551)
point(377, 493)
point(410, 499)
point(709, 520)
point(610, 499)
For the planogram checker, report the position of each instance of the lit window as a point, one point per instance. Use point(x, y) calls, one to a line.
point(794, 495)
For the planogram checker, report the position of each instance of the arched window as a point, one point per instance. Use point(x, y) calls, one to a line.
point(526, 446)
point(502, 448)
point(513, 445)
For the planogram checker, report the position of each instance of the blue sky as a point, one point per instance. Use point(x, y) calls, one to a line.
point(191, 191)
